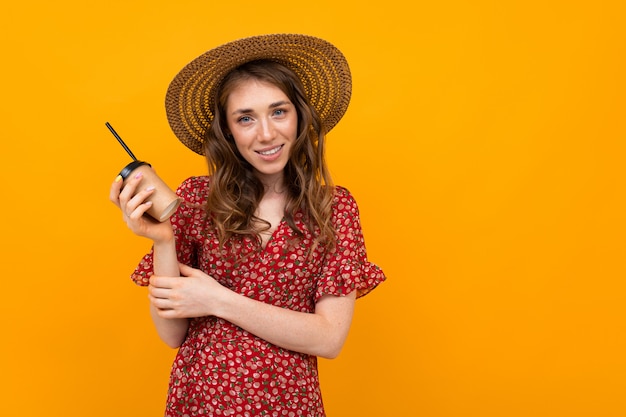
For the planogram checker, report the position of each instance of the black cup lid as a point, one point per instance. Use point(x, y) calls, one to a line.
point(125, 172)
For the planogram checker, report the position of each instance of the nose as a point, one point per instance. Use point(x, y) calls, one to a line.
point(267, 132)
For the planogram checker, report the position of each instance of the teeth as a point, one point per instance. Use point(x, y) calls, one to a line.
point(271, 151)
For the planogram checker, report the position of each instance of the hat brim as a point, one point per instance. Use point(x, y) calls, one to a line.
point(321, 67)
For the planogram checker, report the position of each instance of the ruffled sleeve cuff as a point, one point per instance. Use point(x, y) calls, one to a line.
point(360, 276)
point(141, 275)
point(346, 267)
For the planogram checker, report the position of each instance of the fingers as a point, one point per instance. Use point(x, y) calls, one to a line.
point(129, 192)
point(158, 282)
point(168, 313)
point(114, 193)
point(129, 198)
point(160, 292)
point(164, 298)
point(136, 208)
point(186, 270)
point(163, 305)
point(184, 296)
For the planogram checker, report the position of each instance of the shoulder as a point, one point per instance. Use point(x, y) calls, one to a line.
point(343, 201)
point(194, 190)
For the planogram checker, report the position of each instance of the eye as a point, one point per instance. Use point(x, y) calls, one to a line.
point(280, 112)
point(244, 119)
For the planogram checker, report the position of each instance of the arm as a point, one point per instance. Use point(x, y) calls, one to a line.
point(321, 333)
point(171, 331)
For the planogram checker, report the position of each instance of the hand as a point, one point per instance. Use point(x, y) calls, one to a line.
point(194, 294)
point(134, 207)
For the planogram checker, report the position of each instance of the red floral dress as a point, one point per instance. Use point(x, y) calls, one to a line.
point(222, 370)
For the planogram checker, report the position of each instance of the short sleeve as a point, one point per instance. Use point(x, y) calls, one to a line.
point(186, 221)
point(346, 267)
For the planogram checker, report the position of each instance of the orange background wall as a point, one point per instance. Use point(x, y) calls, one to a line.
point(485, 144)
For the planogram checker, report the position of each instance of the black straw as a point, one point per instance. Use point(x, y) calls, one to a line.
point(119, 139)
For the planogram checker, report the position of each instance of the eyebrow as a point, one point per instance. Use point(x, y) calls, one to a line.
point(271, 106)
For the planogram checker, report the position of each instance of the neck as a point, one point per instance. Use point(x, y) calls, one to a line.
point(274, 184)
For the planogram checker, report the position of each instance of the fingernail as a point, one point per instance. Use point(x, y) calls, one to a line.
point(118, 178)
point(150, 188)
point(139, 175)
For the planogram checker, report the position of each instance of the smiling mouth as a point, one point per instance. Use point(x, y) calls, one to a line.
point(271, 151)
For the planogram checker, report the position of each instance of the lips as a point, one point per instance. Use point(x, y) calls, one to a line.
point(270, 152)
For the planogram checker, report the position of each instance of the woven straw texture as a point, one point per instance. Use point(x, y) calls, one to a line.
point(321, 67)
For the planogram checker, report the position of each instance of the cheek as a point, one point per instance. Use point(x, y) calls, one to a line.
point(294, 128)
point(240, 143)
point(239, 146)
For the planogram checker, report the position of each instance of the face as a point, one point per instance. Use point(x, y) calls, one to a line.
point(264, 124)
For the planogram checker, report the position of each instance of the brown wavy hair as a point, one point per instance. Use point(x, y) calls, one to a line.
point(235, 192)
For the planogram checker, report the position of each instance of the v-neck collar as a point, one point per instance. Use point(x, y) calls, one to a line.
point(273, 236)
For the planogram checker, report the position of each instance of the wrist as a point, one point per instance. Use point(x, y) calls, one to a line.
point(162, 245)
point(165, 238)
point(227, 304)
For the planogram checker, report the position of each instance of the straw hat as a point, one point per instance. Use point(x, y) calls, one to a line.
point(321, 67)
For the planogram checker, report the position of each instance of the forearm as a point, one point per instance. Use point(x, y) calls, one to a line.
point(133, 204)
point(171, 330)
point(322, 333)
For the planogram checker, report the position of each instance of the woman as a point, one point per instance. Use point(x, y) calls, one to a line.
point(257, 272)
